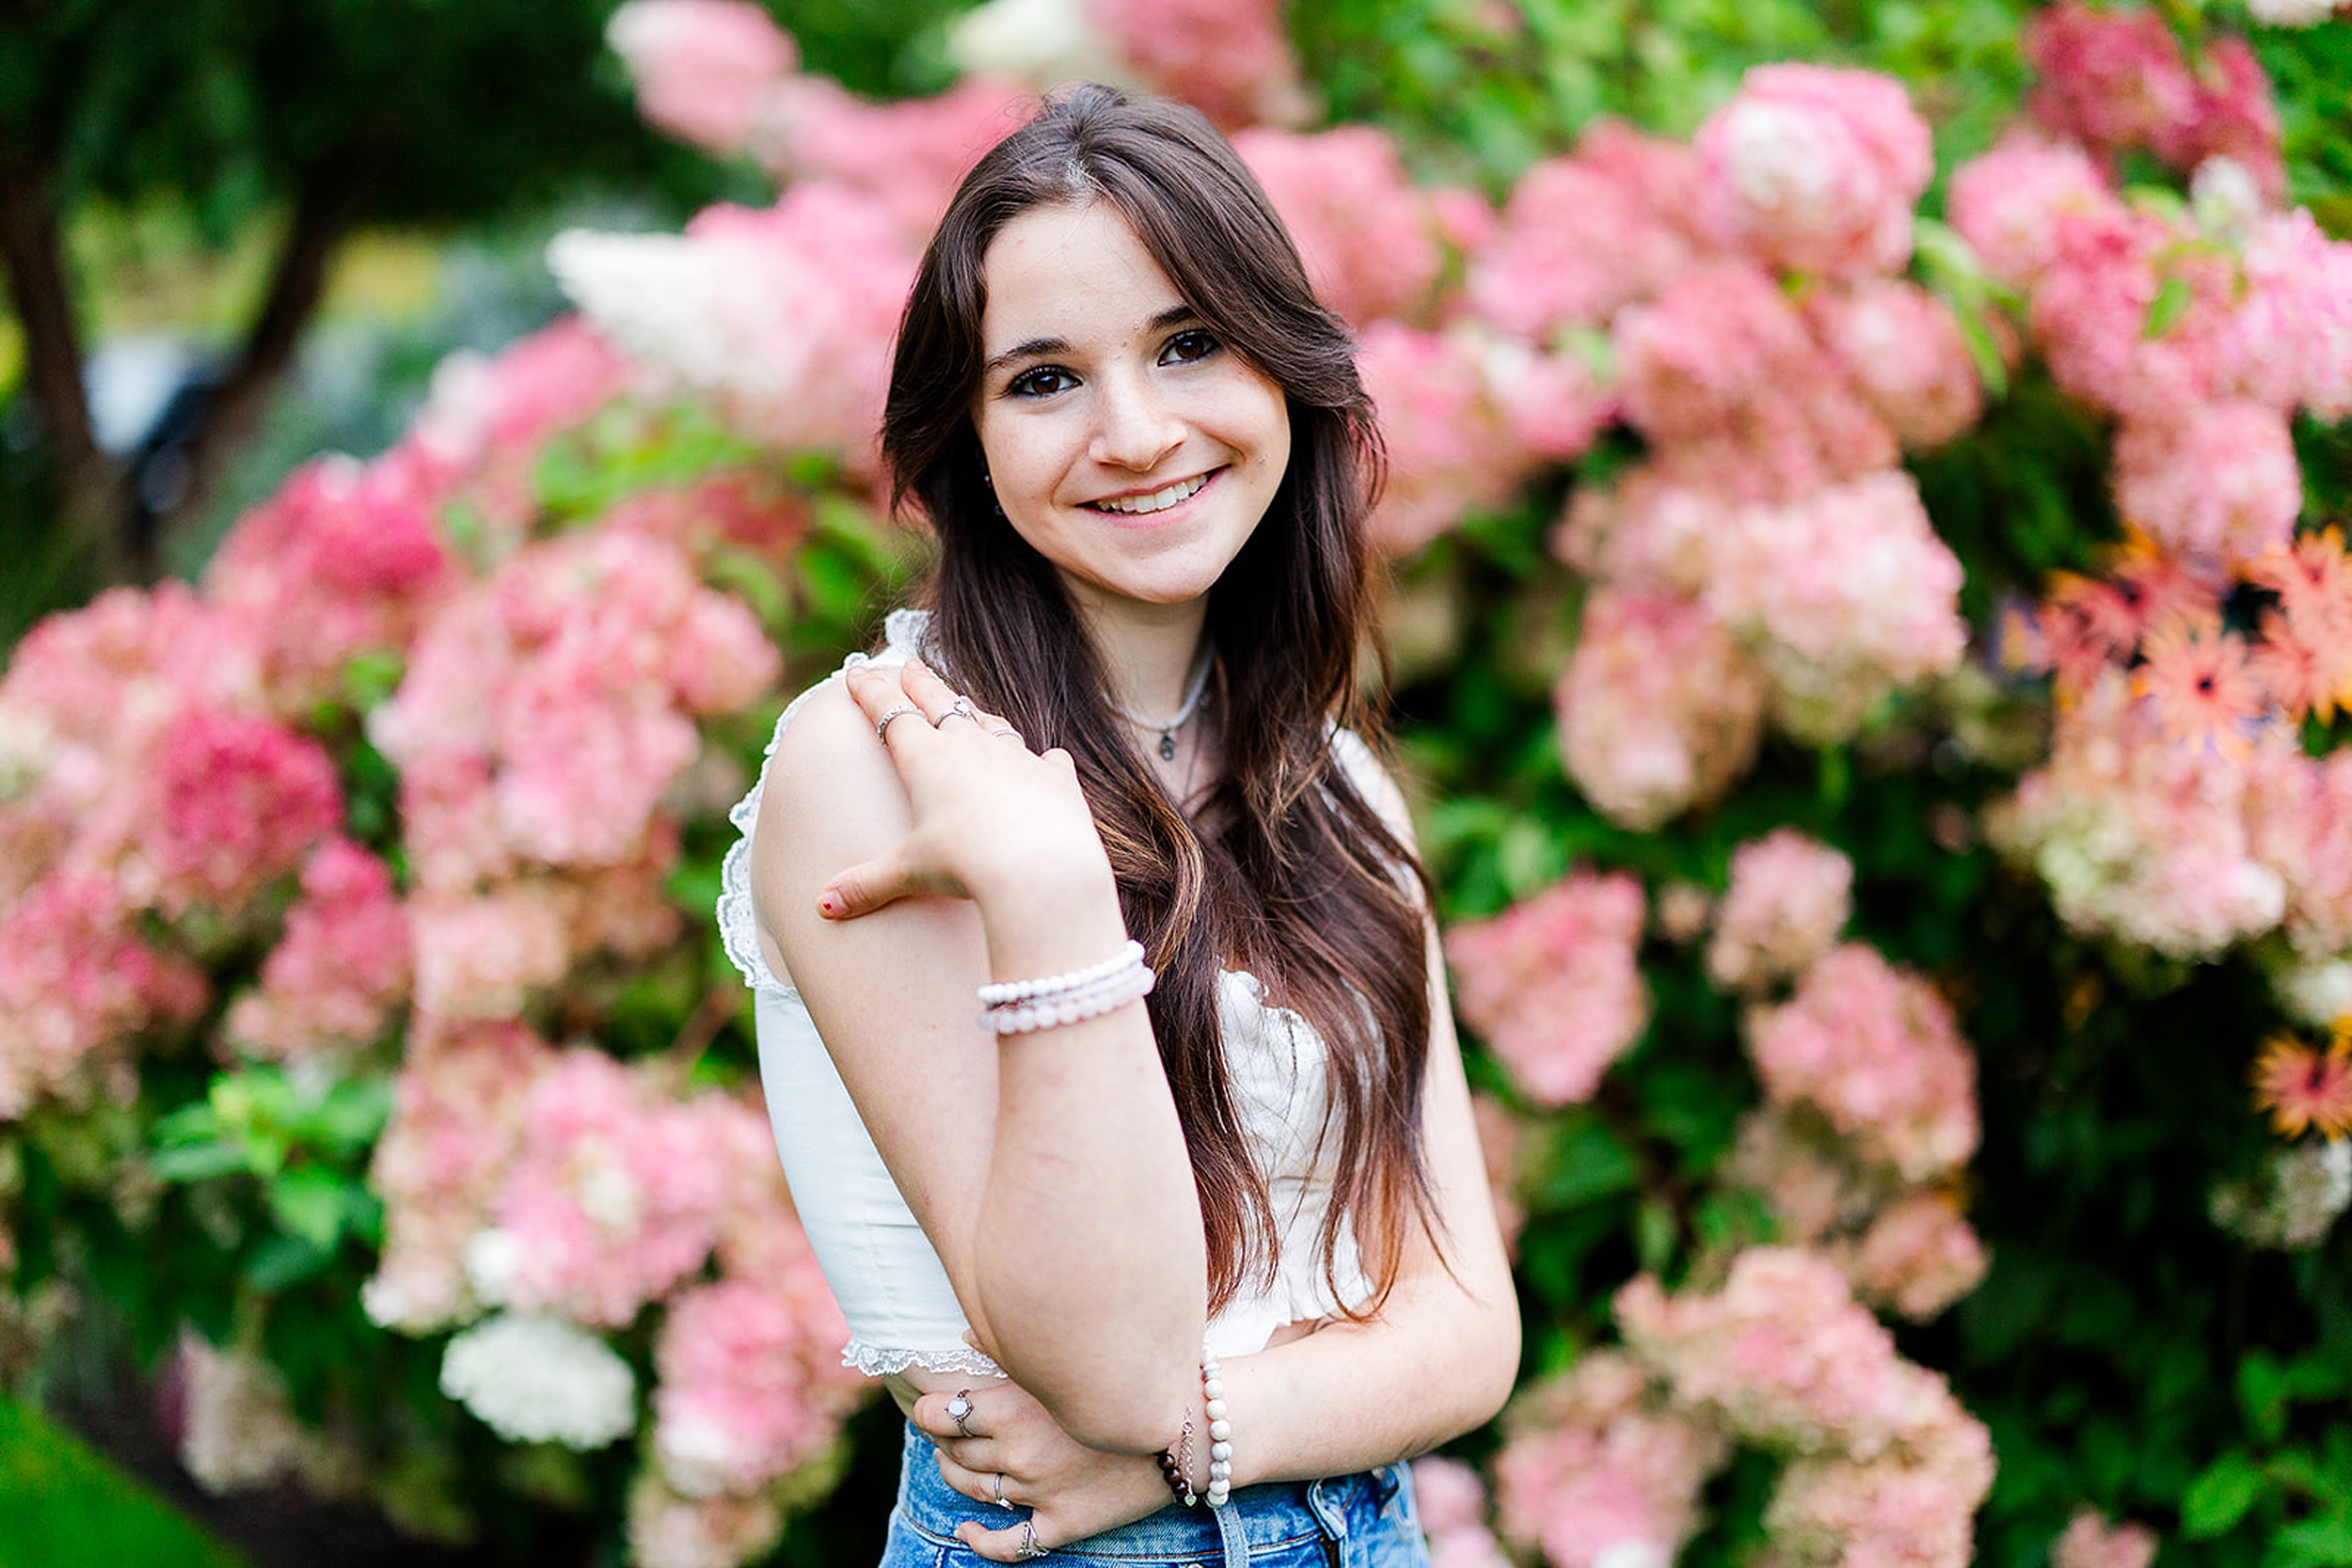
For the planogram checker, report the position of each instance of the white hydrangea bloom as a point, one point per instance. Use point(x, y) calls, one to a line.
point(2315, 994)
point(2297, 1201)
point(1045, 44)
point(541, 1380)
point(2290, 13)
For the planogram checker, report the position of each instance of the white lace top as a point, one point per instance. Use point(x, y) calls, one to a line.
point(889, 1281)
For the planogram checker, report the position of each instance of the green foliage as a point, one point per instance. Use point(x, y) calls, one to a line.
point(64, 1506)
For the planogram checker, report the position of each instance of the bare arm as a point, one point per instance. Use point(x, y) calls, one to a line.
point(1048, 1170)
point(1438, 1360)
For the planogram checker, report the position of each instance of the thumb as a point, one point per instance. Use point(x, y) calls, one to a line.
point(867, 886)
point(997, 1546)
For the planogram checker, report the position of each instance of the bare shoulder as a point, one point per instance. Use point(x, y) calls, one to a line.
point(831, 797)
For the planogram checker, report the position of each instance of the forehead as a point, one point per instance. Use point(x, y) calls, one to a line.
point(1067, 271)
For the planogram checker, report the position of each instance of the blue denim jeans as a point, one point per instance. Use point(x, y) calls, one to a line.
point(1361, 1521)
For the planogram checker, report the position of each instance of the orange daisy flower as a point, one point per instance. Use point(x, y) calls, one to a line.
point(2313, 577)
point(2201, 684)
point(2303, 1087)
point(2142, 590)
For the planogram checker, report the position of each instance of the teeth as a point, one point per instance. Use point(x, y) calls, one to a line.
point(1158, 501)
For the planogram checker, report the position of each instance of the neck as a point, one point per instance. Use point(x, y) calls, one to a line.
point(1147, 651)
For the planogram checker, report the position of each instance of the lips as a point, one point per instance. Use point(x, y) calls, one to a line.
point(1166, 498)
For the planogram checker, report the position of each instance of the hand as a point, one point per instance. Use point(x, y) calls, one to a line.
point(1072, 1491)
point(990, 816)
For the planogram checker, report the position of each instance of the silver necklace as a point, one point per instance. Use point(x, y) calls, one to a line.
point(1167, 727)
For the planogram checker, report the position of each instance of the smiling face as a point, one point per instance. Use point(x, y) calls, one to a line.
point(1126, 444)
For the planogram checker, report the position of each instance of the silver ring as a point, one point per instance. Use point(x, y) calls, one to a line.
point(960, 1412)
point(882, 725)
point(1002, 1502)
point(960, 709)
point(1028, 1547)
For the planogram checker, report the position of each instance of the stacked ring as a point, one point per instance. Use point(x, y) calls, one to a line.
point(882, 725)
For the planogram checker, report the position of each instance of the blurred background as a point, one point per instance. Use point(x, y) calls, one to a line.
point(1871, 632)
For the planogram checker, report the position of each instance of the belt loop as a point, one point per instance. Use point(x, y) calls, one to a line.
point(1229, 1534)
point(1330, 1511)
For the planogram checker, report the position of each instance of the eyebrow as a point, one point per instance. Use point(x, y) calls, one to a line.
point(1038, 348)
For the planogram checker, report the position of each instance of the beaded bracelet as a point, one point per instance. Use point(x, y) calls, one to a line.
point(1176, 1466)
point(1221, 1430)
point(998, 993)
point(1019, 1006)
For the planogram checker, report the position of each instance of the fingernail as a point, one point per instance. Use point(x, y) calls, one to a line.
point(829, 902)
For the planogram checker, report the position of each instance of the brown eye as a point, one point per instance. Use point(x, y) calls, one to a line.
point(1185, 347)
point(1042, 381)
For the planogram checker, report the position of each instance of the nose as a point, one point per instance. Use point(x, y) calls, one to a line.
point(1134, 425)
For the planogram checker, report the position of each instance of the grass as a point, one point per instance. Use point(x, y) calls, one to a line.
point(62, 1504)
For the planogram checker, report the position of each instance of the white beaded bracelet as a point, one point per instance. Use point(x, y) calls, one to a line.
point(1220, 1486)
point(1020, 1006)
point(998, 993)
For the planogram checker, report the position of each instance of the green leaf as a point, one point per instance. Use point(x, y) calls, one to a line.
point(198, 1162)
point(1585, 1163)
point(2263, 1393)
point(2164, 311)
point(307, 1202)
point(2217, 1500)
point(282, 1261)
point(2317, 1544)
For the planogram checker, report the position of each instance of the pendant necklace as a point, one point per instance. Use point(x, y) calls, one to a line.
point(1167, 727)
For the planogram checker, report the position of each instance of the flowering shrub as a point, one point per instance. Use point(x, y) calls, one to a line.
point(1873, 685)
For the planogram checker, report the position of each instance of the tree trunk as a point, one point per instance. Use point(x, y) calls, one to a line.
point(34, 252)
point(298, 284)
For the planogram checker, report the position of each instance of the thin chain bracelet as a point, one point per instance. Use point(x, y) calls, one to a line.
point(1176, 1466)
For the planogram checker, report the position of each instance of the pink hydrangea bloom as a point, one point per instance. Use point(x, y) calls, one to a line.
point(2220, 482)
point(1584, 235)
point(1915, 1510)
point(782, 316)
point(907, 156)
point(545, 715)
point(1782, 1356)
point(751, 1385)
point(2095, 303)
point(2139, 837)
point(77, 984)
point(1876, 1051)
point(1466, 417)
point(2007, 203)
point(2237, 119)
point(1723, 356)
point(1228, 58)
point(457, 1109)
point(1805, 1173)
point(2110, 78)
point(341, 559)
point(2298, 814)
point(703, 68)
point(485, 956)
point(105, 681)
point(1595, 1473)
point(1654, 530)
point(1363, 230)
point(1852, 595)
point(613, 1196)
point(235, 802)
point(1552, 986)
point(2089, 1542)
point(668, 1529)
point(740, 510)
point(339, 969)
point(1790, 897)
point(2289, 342)
point(1919, 1256)
point(1816, 169)
point(1902, 348)
point(1660, 710)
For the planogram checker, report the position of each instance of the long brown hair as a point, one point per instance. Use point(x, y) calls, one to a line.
point(1299, 880)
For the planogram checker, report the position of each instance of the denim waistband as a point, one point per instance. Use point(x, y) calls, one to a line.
point(1259, 1521)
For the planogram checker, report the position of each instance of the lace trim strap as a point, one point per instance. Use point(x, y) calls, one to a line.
point(738, 925)
point(881, 1361)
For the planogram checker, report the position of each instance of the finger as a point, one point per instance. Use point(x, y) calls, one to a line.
point(867, 886)
point(1005, 1545)
point(979, 1481)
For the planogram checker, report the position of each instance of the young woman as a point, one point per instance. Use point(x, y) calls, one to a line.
point(1230, 1240)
